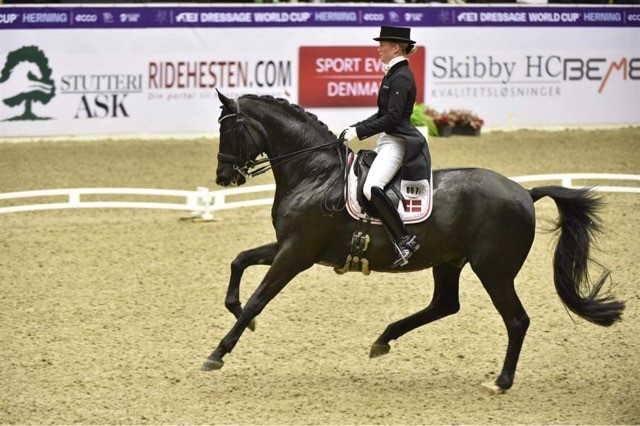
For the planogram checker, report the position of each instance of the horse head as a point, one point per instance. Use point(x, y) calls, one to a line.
point(242, 140)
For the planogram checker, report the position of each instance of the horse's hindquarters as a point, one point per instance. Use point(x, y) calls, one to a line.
point(485, 218)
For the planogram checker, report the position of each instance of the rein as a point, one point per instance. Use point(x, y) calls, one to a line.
point(276, 161)
point(245, 170)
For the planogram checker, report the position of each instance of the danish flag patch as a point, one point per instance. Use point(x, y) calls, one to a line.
point(417, 206)
point(414, 206)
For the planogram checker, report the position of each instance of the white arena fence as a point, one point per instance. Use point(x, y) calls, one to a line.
point(202, 203)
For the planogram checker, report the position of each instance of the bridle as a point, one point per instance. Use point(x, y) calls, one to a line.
point(245, 170)
point(235, 160)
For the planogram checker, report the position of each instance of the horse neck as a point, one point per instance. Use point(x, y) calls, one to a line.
point(287, 136)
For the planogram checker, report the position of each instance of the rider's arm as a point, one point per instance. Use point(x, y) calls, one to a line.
point(398, 94)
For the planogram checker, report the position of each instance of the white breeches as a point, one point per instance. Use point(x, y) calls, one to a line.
point(390, 151)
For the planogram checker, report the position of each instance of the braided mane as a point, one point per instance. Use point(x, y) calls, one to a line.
point(296, 110)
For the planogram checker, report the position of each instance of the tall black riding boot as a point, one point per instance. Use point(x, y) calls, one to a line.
point(405, 244)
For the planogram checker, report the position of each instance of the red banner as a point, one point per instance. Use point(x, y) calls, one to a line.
point(347, 76)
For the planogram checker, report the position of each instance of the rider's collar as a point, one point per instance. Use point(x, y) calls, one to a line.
point(394, 61)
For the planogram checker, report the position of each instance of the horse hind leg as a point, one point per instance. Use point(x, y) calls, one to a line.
point(445, 302)
point(262, 255)
point(504, 298)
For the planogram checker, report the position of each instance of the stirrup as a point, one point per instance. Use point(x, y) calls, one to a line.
point(405, 248)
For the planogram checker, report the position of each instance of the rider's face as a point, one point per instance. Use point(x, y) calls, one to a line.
point(388, 51)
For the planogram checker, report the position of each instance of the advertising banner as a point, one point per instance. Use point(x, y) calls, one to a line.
point(346, 76)
point(105, 70)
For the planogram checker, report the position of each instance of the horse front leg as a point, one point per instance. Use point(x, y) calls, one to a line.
point(263, 255)
point(286, 265)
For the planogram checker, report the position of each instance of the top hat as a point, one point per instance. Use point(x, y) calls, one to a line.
point(395, 34)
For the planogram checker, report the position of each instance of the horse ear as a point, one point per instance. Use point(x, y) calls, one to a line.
point(226, 102)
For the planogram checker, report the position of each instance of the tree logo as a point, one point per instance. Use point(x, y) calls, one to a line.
point(26, 78)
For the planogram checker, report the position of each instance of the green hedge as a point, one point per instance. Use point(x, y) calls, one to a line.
point(420, 119)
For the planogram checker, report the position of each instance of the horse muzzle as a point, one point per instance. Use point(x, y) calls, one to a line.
point(228, 176)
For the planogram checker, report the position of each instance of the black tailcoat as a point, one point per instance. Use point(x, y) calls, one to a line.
point(396, 97)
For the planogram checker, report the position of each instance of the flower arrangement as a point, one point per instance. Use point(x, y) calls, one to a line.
point(465, 117)
point(455, 121)
point(444, 119)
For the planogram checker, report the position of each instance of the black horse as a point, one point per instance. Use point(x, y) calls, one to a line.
point(480, 217)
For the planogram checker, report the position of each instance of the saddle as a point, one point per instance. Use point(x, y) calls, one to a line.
point(413, 198)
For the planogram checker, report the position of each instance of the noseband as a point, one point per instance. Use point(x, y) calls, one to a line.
point(245, 170)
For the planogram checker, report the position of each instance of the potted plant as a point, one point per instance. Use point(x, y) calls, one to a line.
point(467, 123)
point(445, 124)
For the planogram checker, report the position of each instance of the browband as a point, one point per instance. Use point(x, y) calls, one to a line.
point(224, 117)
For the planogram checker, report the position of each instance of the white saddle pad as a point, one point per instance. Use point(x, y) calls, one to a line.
point(418, 196)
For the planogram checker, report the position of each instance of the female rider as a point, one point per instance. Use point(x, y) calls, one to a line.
point(400, 145)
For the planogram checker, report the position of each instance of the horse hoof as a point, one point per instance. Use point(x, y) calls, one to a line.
point(492, 389)
point(378, 350)
point(212, 364)
point(252, 325)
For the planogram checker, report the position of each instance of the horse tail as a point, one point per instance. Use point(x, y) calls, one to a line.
point(578, 224)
